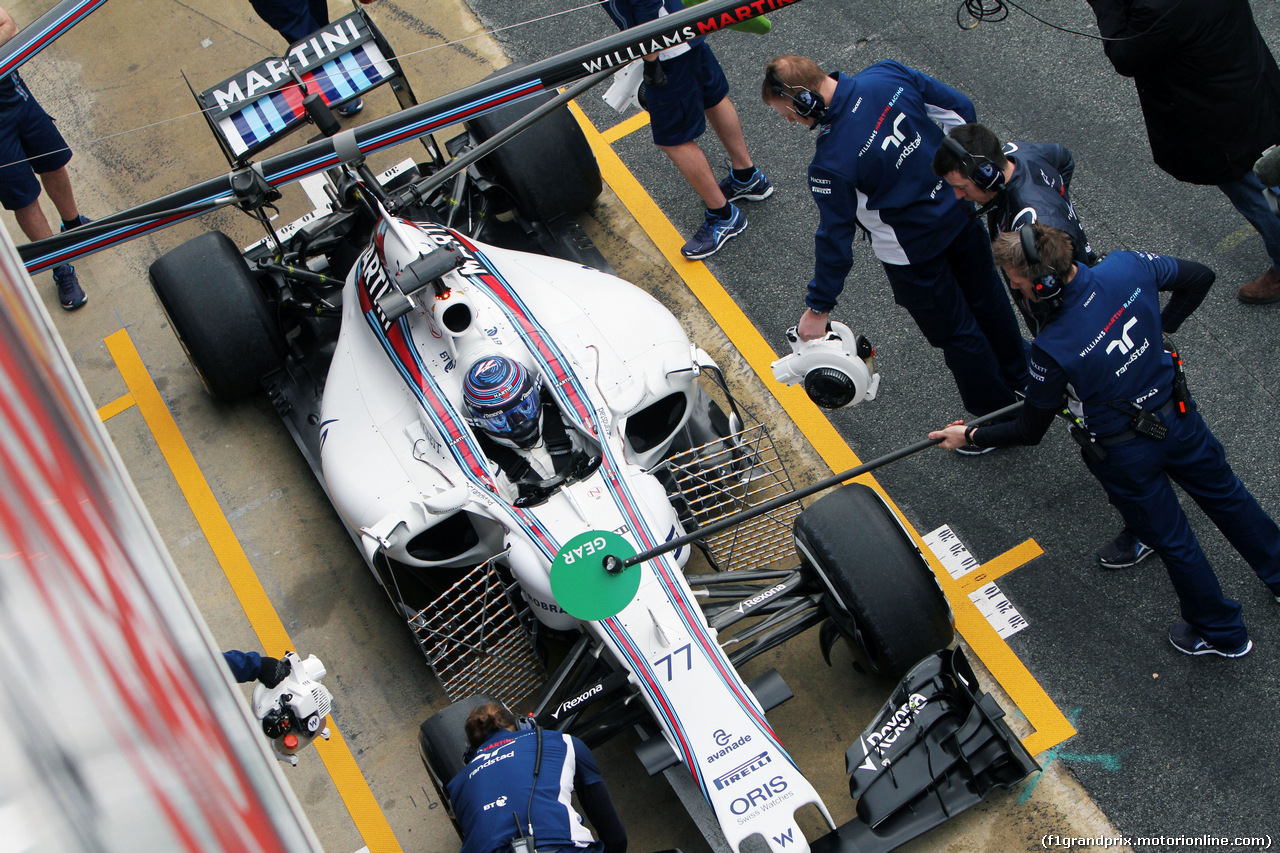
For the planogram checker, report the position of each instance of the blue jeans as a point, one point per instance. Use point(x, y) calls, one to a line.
point(1245, 194)
point(1136, 475)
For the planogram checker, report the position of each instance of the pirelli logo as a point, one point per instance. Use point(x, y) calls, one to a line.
point(748, 767)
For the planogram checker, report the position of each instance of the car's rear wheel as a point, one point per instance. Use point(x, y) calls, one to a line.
point(219, 314)
point(442, 744)
point(880, 591)
point(548, 168)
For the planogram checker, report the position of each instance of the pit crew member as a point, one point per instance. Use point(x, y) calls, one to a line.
point(1016, 183)
point(871, 170)
point(684, 89)
point(31, 145)
point(518, 783)
point(252, 666)
point(1101, 352)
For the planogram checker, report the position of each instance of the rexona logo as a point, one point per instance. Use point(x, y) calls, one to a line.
point(762, 597)
point(576, 701)
point(894, 727)
point(742, 770)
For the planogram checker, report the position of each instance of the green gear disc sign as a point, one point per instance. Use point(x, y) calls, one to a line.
point(583, 586)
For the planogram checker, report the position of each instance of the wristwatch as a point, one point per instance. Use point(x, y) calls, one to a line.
point(968, 434)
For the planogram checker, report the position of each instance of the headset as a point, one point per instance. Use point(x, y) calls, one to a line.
point(1048, 284)
point(807, 104)
point(977, 168)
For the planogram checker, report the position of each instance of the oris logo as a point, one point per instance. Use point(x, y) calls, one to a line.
point(757, 796)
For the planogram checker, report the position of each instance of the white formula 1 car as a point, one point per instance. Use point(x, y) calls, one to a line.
point(361, 325)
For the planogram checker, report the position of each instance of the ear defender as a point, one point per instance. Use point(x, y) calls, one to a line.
point(1047, 284)
point(977, 168)
point(807, 104)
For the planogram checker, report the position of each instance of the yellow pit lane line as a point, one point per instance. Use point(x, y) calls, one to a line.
point(351, 785)
point(1050, 724)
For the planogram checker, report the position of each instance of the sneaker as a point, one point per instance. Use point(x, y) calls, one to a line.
point(1186, 640)
point(1123, 552)
point(756, 189)
point(714, 232)
point(973, 450)
point(70, 293)
point(80, 220)
point(350, 108)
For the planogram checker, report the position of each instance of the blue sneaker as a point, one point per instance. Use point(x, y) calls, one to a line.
point(1186, 640)
point(80, 220)
point(349, 109)
point(1123, 552)
point(70, 293)
point(713, 233)
point(757, 188)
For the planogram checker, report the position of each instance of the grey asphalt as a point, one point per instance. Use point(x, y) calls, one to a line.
point(1168, 745)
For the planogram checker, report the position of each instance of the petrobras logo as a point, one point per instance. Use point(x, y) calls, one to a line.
point(743, 770)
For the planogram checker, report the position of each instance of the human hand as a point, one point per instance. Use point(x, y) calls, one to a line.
point(951, 436)
point(272, 671)
point(812, 326)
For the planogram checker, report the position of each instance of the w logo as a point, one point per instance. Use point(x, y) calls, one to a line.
point(781, 840)
point(1125, 343)
point(897, 136)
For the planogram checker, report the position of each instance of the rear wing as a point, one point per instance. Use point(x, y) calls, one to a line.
point(261, 105)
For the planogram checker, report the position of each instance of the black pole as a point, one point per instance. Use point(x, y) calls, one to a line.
point(781, 500)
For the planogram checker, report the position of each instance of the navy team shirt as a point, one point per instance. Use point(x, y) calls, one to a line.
point(492, 792)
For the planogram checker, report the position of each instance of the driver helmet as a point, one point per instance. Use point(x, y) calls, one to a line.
point(502, 401)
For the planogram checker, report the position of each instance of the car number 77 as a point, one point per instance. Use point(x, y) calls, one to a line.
point(688, 659)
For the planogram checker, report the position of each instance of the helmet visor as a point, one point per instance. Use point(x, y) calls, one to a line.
point(512, 420)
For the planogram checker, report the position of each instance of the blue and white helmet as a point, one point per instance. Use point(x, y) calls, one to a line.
point(502, 400)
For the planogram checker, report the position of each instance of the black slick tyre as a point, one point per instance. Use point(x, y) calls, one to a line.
point(879, 590)
point(548, 168)
point(442, 745)
point(219, 314)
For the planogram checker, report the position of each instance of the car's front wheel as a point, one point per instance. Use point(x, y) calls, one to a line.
point(879, 591)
